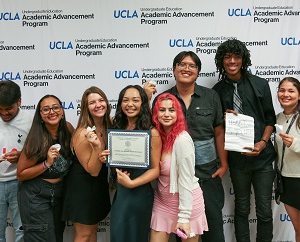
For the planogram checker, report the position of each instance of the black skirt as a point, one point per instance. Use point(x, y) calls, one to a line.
point(86, 198)
point(291, 192)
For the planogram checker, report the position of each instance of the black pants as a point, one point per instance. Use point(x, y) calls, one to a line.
point(40, 205)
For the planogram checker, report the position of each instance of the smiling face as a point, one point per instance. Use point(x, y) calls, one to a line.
point(96, 105)
point(131, 103)
point(51, 111)
point(232, 64)
point(167, 115)
point(288, 96)
point(186, 72)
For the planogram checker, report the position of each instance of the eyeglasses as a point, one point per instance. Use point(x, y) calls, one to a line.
point(45, 110)
point(183, 65)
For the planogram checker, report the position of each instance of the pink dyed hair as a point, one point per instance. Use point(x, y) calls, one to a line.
point(178, 127)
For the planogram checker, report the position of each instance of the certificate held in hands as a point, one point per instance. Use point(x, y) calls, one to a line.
point(239, 132)
point(129, 148)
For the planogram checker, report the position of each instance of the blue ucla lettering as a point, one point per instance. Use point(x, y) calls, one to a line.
point(125, 14)
point(126, 74)
point(290, 41)
point(181, 43)
point(239, 12)
point(60, 45)
point(70, 106)
point(9, 16)
point(284, 217)
point(10, 76)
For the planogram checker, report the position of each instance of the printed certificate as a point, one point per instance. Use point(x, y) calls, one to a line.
point(129, 148)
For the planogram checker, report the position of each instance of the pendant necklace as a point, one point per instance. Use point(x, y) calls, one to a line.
point(288, 117)
point(101, 133)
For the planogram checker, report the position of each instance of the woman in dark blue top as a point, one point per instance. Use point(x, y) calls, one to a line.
point(132, 206)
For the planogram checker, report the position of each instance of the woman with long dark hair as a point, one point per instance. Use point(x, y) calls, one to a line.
point(132, 205)
point(43, 164)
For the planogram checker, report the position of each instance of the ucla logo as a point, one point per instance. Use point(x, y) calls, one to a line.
point(67, 106)
point(9, 76)
point(181, 43)
point(126, 74)
point(290, 41)
point(125, 14)
point(239, 12)
point(60, 45)
point(284, 217)
point(9, 16)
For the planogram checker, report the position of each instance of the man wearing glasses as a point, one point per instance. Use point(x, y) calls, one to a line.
point(14, 127)
point(203, 113)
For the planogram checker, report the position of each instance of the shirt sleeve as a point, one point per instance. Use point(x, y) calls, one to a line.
point(295, 145)
point(185, 156)
point(218, 109)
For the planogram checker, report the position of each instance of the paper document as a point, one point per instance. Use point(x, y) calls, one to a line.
point(239, 132)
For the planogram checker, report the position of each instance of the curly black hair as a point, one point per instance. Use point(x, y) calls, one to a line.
point(236, 47)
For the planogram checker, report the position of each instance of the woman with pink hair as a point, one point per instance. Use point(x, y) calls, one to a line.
point(178, 200)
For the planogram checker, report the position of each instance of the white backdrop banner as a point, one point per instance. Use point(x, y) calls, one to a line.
point(63, 47)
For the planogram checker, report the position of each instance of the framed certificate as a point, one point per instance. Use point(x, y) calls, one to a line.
point(129, 148)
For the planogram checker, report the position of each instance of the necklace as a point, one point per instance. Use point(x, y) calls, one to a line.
point(101, 131)
point(288, 117)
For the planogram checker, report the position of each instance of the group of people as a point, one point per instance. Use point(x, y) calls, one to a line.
point(51, 172)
